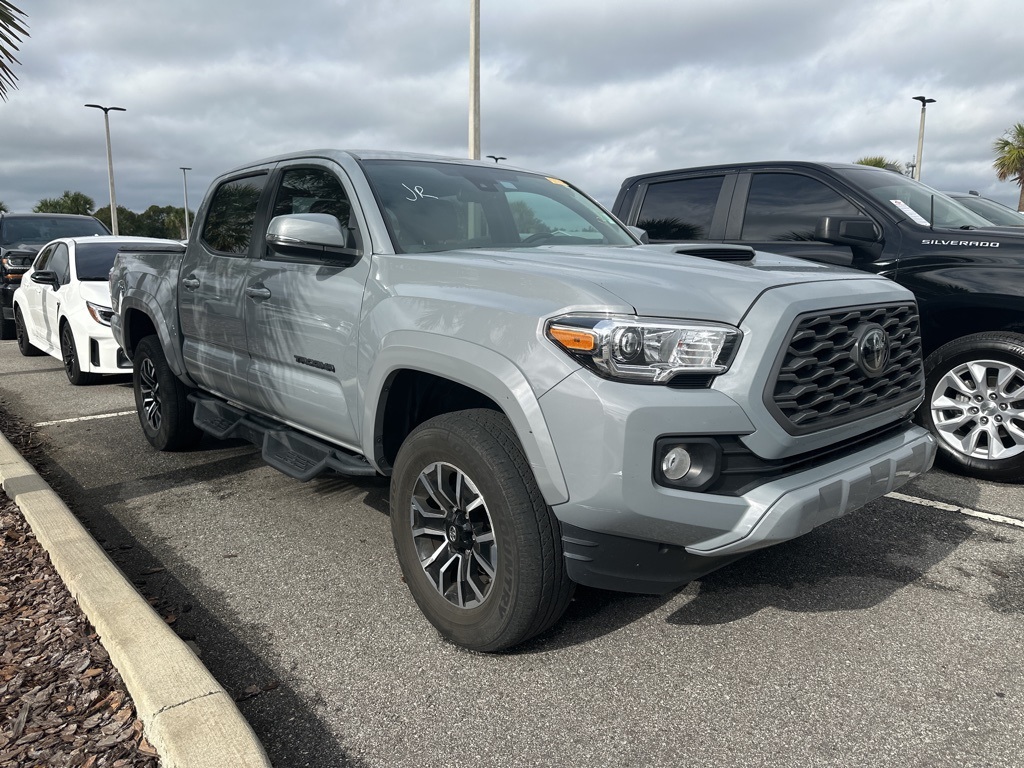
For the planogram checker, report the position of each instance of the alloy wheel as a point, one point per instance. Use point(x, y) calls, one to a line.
point(978, 409)
point(149, 387)
point(453, 535)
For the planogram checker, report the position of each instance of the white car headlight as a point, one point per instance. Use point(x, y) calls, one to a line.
point(100, 313)
point(645, 349)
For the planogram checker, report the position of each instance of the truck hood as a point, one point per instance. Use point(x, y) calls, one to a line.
point(654, 280)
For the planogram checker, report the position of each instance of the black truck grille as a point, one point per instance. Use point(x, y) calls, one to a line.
point(834, 370)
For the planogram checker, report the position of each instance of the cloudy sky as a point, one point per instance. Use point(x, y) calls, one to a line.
point(590, 90)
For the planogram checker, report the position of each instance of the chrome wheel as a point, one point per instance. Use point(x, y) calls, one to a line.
point(978, 409)
point(149, 389)
point(453, 535)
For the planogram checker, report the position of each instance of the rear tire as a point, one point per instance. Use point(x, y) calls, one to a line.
point(21, 333)
point(162, 400)
point(974, 390)
point(69, 354)
point(479, 548)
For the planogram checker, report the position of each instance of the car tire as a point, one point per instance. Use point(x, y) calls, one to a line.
point(479, 547)
point(69, 355)
point(974, 405)
point(161, 400)
point(6, 329)
point(21, 333)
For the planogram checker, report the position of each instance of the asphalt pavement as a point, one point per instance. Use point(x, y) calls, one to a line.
point(890, 637)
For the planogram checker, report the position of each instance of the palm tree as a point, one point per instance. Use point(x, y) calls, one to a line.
point(878, 161)
point(1009, 162)
point(11, 33)
point(69, 202)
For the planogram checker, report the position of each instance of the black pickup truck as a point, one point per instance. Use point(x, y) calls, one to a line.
point(968, 276)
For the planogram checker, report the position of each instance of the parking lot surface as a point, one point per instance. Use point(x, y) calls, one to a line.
point(890, 637)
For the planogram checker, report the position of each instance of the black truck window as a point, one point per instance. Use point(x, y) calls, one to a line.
point(681, 209)
point(787, 206)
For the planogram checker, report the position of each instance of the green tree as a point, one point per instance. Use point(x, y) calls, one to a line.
point(127, 221)
point(1009, 162)
point(12, 30)
point(3, 207)
point(69, 202)
point(878, 161)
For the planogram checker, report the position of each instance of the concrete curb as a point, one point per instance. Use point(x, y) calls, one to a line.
point(188, 716)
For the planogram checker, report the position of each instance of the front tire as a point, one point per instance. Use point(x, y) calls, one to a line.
point(161, 400)
point(21, 333)
point(69, 355)
point(975, 405)
point(478, 546)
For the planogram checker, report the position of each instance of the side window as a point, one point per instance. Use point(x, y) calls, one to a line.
point(44, 258)
point(787, 206)
point(680, 209)
point(315, 190)
point(60, 262)
point(232, 214)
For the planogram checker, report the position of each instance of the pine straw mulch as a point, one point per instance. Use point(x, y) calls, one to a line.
point(62, 703)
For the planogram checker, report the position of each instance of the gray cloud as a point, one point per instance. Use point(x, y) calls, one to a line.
point(590, 91)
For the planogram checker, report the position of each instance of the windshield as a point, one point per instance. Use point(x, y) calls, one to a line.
point(431, 206)
point(911, 199)
point(997, 213)
point(39, 230)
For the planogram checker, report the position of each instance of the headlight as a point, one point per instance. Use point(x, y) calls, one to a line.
point(100, 313)
point(645, 350)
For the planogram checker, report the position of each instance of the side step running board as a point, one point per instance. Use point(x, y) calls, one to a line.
point(285, 449)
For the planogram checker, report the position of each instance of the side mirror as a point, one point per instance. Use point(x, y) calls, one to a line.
point(312, 235)
point(852, 230)
point(641, 233)
point(46, 277)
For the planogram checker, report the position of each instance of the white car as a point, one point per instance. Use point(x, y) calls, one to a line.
point(62, 307)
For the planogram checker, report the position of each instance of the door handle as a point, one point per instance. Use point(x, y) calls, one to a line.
point(191, 282)
point(258, 292)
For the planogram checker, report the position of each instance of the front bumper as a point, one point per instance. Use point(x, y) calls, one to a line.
point(622, 530)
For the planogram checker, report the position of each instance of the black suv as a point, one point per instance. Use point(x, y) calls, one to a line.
point(968, 276)
point(21, 237)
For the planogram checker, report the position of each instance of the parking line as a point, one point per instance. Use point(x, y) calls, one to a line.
point(962, 510)
point(83, 418)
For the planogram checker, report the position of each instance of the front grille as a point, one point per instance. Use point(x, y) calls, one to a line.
point(818, 381)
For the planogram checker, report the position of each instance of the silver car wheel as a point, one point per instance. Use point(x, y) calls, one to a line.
point(978, 409)
point(453, 535)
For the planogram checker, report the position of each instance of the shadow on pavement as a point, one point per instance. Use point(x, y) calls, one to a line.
point(284, 722)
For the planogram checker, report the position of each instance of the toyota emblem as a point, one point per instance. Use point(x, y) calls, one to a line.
point(872, 350)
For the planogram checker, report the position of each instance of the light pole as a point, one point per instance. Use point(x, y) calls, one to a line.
point(496, 158)
point(110, 162)
point(920, 135)
point(184, 184)
point(474, 79)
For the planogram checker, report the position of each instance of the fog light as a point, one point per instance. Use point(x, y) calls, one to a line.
point(676, 464)
point(690, 463)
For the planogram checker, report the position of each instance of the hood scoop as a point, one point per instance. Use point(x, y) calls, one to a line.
point(717, 251)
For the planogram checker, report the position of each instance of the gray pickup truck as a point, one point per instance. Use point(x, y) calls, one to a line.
point(554, 402)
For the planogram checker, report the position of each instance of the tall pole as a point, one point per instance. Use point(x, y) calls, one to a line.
point(474, 79)
point(110, 162)
point(184, 184)
point(920, 135)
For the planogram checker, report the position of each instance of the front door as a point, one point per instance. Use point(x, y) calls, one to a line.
point(302, 314)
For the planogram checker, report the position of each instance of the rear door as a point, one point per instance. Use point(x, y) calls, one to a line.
point(211, 287)
point(302, 313)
